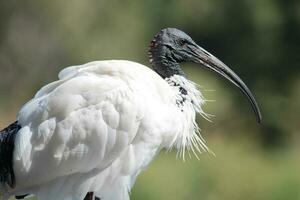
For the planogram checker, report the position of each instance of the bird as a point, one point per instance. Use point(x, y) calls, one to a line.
point(89, 134)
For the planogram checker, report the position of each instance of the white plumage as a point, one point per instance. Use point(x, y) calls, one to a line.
point(97, 127)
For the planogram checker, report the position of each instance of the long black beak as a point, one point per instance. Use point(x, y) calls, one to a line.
point(206, 59)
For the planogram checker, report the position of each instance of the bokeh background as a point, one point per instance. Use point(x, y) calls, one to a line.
point(258, 39)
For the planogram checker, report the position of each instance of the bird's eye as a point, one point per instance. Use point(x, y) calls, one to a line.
point(182, 41)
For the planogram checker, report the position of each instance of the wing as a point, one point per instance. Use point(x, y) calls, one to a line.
point(82, 121)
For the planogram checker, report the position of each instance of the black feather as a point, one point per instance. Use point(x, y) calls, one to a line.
point(21, 196)
point(7, 144)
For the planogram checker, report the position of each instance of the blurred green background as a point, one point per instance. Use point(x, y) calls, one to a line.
point(258, 39)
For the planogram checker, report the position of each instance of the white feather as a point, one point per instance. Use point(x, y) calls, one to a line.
point(96, 129)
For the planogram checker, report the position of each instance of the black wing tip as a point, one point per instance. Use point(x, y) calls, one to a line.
point(7, 144)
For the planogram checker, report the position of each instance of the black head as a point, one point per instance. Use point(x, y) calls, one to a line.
point(168, 48)
point(172, 46)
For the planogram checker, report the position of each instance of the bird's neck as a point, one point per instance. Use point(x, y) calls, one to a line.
point(164, 64)
point(166, 68)
point(187, 94)
point(189, 101)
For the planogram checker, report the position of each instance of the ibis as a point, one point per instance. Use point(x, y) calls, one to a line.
point(89, 134)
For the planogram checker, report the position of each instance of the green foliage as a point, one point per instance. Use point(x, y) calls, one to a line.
point(240, 170)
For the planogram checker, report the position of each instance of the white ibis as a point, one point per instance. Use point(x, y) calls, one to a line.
point(97, 127)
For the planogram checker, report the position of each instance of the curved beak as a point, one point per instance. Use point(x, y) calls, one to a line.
point(206, 59)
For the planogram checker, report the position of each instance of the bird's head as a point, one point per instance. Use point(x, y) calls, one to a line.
point(172, 46)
